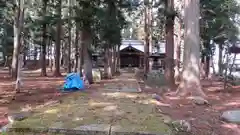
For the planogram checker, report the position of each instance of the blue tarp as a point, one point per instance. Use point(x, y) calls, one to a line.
point(73, 82)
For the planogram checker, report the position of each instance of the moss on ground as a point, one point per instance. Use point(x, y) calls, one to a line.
point(128, 111)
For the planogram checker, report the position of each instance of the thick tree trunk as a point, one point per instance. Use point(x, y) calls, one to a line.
point(87, 58)
point(178, 62)
point(18, 28)
point(43, 57)
point(44, 43)
point(178, 43)
point(16, 45)
point(58, 41)
point(191, 66)
point(20, 45)
point(169, 68)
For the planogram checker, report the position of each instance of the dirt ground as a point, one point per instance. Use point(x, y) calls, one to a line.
point(131, 112)
point(205, 120)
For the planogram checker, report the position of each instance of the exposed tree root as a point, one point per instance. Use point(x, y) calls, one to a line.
point(190, 89)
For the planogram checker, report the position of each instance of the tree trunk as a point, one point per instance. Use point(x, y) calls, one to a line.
point(109, 68)
point(147, 35)
point(220, 59)
point(87, 58)
point(64, 55)
point(43, 57)
point(24, 57)
point(114, 59)
point(206, 57)
point(178, 44)
point(77, 50)
point(16, 44)
point(178, 62)
point(69, 67)
point(212, 62)
point(58, 40)
point(20, 45)
point(68, 56)
point(207, 66)
point(19, 75)
point(169, 68)
point(202, 66)
point(18, 27)
point(118, 59)
point(51, 61)
point(48, 52)
point(80, 55)
point(44, 42)
point(191, 66)
point(106, 49)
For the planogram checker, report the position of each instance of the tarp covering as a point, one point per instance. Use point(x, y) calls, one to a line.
point(73, 82)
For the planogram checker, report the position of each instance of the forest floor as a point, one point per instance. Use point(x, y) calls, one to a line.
point(115, 103)
point(204, 120)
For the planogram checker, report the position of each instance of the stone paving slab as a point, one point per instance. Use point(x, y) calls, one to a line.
point(81, 131)
point(56, 131)
point(95, 127)
point(232, 116)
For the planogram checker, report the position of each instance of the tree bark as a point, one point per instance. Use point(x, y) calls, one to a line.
point(207, 66)
point(147, 35)
point(69, 67)
point(58, 40)
point(114, 60)
point(191, 66)
point(108, 62)
point(77, 50)
point(169, 68)
point(20, 45)
point(80, 59)
point(87, 58)
point(51, 61)
point(18, 28)
point(118, 59)
point(19, 75)
point(109, 68)
point(16, 45)
point(44, 42)
point(106, 49)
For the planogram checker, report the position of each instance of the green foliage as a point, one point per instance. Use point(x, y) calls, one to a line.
point(218, 22)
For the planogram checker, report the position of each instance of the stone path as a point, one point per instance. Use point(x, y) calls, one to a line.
point(126, 82)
